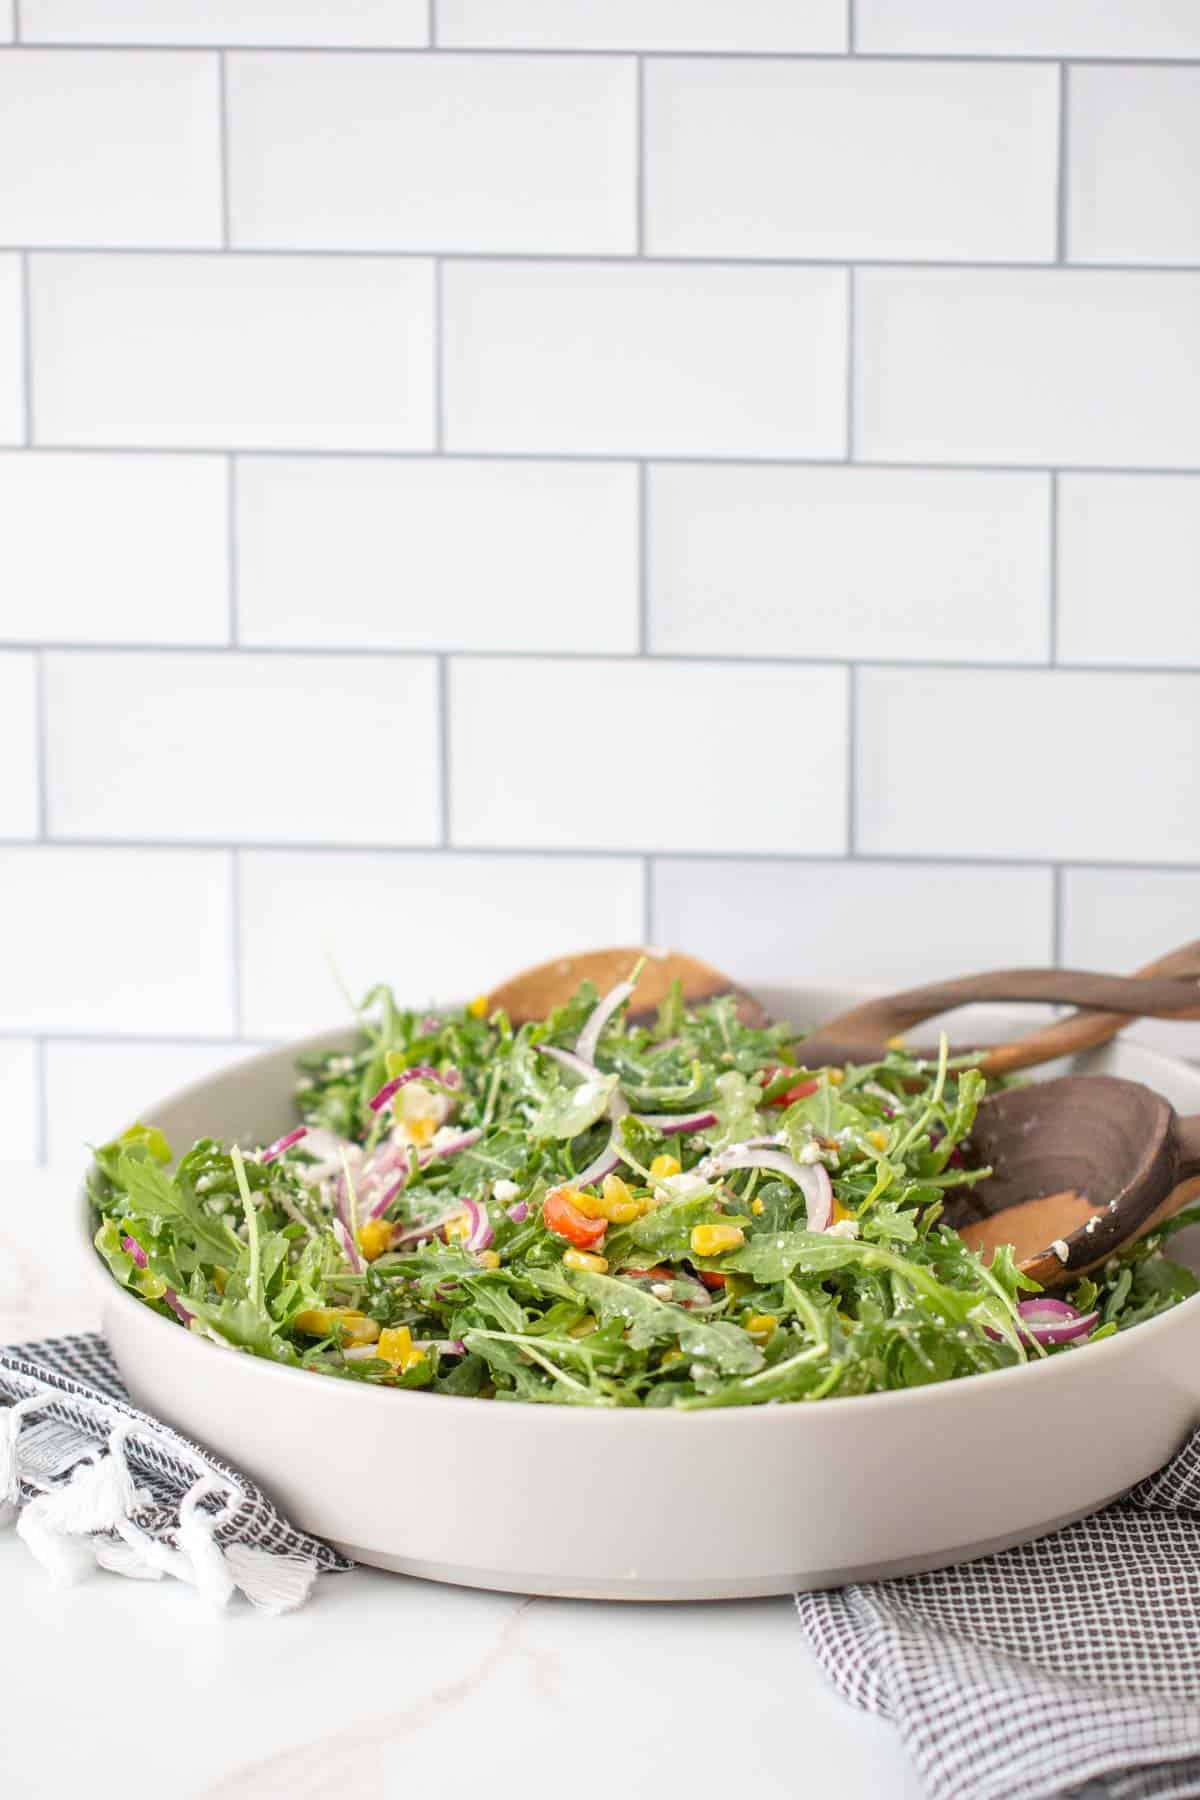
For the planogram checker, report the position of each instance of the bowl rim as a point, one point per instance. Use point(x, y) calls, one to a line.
point(1184, 1314)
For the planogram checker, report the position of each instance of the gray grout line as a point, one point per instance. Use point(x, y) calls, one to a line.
point(643, 577)
point(232, 550)
point(714, 259)
point(639, 200)
point(223, 114)
point(1052, 616)
point(1056, 929)
point(851, 28)
point(648, 928)
point(432, 25)
point(443, 727)
point(556, 853)
point(851, 359)
point(1064, 132)
point(851, 759)
point(723, 459)
point(236, 998)
point(439, 384)
point(8, 1034)
point(705, 659)
point(41, 1102)
point(41, 746)
point(16, 14)
point(417, 52)
point(26, 348)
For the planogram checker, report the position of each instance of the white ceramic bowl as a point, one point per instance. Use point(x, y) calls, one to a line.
point(660, 1505)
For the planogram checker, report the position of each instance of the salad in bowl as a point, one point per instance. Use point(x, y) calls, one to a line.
point(590, 1211)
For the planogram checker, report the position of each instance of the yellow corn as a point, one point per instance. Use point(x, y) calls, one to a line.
point(670, 1356)
point(878, 1138)
point(756, 1207)
point(615, 1202)
point(374, 1238)
point(665, 1165)
point(761, 1325)
point(715, 1240)
point(488, 1259)
point(322, 1321)
point(420, 1129)
point(395, 1346)
point(478, 1006)
point(897, 1043)
point(583, 1327)
point(219, 1278)
point(841, 1212)
point(585, 1259)
point(835, 1077)
point(457, 1227)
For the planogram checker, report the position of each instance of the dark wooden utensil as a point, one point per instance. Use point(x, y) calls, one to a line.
point(1082, 1166)
point(535, 992)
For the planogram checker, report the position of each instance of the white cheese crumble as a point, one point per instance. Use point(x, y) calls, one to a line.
point(505, 1190)
point(810, 1152)
point(845, 1228)
point(1061, 1249)
point(682, 1187)
point(661, 1290)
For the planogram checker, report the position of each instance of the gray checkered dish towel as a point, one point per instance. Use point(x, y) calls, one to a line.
point(89, 1481)
point(1070, 1666)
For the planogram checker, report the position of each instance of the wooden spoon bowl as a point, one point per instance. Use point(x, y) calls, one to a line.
point(537, 991)
point(1081, 1166)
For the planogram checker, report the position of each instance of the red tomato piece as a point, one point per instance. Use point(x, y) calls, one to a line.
point(566, 1221)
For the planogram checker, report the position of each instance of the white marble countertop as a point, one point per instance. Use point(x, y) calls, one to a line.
point(383, 1687)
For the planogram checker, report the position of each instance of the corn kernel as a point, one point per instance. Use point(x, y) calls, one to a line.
point(878, 1138)
point(457, 1227)
point(841, 1212)
point(583, 1327)
point(756, 1207)
point(897, 1043)
point(670, 1356)
point(586, 1260)
point(760, 1326)
point(219, 1279)
point(421, 1129)
point(835, 1077)
point(715, 1240)
point(478, 1006)
point(395, 1346)
point(322, 1321)
point(488, 1259)
point(665, 1165)
point(374, 1238)
point(615, 1202)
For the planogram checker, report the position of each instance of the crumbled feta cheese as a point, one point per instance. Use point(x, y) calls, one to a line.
point(1061, 1249)
point(845, 1228)
point(661, 1290)
point(683, 1187)
point(810, 1152)
point(505, 1190)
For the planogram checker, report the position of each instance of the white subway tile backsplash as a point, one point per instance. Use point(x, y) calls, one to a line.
point(96, 1091)
point(777, 158)
point(1029, 27)
point(7, 21)
point(12, 351)
point(103, 149)
point(228, 352)
point(613, 358)
point(869, 925)
point(435, 554)
point(18, 745)
point(302, 749)
point(124, 941)
point(897, 563)
point(1124, 918)
point(113, 549)
point(19, 1099)
point(1129, 569)
point(395, 24)
point(1028, 366)
point(1135, 165)
point(647, 755)
point(439, 928)
point(786, 25)
point(474, 153)
point(1053, 764)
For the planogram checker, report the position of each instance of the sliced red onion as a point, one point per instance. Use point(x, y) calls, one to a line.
point(283, 1143)
point(519, 1213)
point(454, 1147)
point(443, 1346)
point(422, 1072)
point(610, 1157)
point(348, 1246)
point(602, 1012)
point(427, 1228)
point(1051, 1321)
point(480, 1233)
point(667, 1124)
point(140, 1260)
point(812, 1178)
point(587, 1071)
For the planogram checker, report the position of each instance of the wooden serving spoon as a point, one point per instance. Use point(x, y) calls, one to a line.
point(1166, 989)
point(1081, 1166)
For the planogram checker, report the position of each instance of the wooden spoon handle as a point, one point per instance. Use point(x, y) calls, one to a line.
point(1084, 1030)
point(870, 1025)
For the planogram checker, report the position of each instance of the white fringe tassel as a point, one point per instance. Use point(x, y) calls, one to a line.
point(88, 1521)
